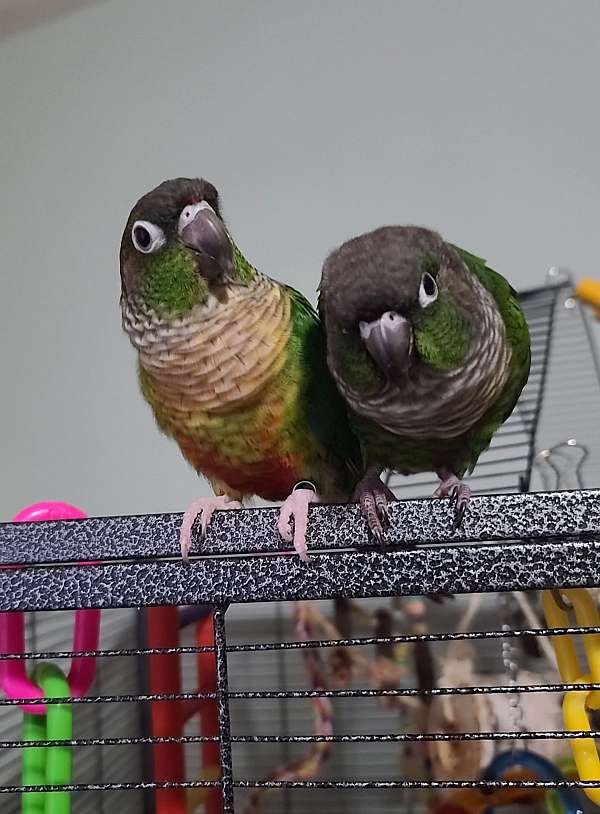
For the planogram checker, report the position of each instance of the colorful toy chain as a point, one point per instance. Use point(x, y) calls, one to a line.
point(577, 702)
point(49, 765)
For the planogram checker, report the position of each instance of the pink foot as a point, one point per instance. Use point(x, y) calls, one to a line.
point(204, 506)
point(296, 506)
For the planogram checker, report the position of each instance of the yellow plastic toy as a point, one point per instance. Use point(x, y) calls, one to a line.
point(577, 702)
point(588, 291)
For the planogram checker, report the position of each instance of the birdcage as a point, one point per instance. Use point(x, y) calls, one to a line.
point(247, 681)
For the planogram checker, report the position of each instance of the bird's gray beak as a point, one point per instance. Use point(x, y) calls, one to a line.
point(389, 340)
point(205, 233)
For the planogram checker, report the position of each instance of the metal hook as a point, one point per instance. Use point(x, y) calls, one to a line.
point(557, 275)
point(560, 600)
point(550, 459)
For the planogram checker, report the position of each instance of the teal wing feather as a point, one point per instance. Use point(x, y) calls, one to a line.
point(517, 335)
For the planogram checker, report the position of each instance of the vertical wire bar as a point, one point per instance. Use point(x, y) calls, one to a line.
point(593, 348)
point(144, 711)
point(525, 480)
point(591, 340)
point(283, 707)
point(224, 719)
point(99, 726)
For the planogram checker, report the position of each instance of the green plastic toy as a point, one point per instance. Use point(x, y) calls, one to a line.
point(48, 765)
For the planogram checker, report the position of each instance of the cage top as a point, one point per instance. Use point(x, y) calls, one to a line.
point(242, 559)
point(254, 531)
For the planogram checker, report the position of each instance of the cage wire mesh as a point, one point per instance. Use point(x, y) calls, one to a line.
point(394, 668)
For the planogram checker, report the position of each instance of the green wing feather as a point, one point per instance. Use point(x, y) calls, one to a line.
point(325, 409)
point(517, 335)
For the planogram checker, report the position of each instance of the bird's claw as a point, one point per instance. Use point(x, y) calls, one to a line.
point(204, 508)
point(461, 496)
point(373, 496)
point(296, 506)
point(458, 494)
point(375, 527)
point(459, 516)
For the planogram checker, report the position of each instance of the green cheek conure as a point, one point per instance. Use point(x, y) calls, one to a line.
point(430, 350)
point(231, 362)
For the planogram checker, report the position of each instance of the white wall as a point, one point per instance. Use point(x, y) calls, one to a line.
point(317, 120)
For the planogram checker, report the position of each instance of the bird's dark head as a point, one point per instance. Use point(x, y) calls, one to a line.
point(175, 247)
point(394, 299)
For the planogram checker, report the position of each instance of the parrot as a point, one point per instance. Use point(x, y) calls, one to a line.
point(232, 364)
point(430, 349)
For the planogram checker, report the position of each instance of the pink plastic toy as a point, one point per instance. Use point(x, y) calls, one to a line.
point(14, 680)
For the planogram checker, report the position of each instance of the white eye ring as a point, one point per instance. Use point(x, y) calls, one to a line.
point(428, 290)
point(147, 237)
point(189, 212)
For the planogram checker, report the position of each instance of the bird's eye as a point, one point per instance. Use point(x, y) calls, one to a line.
point(189, 212)
point(147, 237)
point(428, 290)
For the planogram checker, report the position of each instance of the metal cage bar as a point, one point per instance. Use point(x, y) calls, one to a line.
point(425, 556)
point(224, 720)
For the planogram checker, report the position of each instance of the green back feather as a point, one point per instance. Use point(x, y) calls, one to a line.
point(324, 407)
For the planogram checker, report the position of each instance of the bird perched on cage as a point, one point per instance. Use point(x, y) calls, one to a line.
point(231, 362)
point(430, 349)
